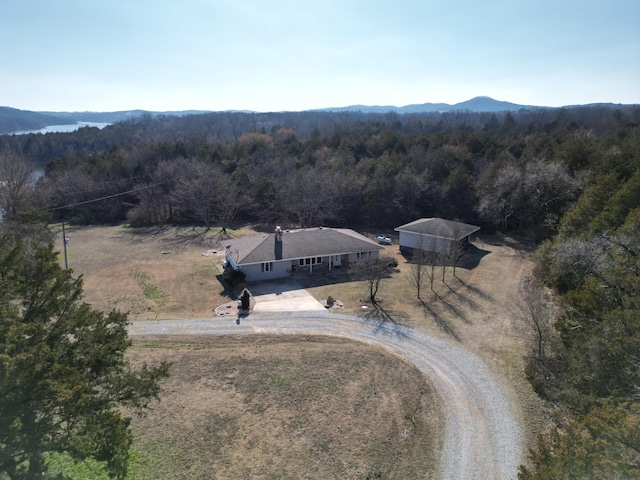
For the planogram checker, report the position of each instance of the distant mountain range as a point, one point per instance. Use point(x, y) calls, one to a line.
point(477, 104)
point(14, 120)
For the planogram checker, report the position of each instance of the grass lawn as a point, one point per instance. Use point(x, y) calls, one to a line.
point(250, 426)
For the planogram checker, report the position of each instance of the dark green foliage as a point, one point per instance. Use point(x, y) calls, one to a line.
point(64, 379)
point(595, 378)
point(245, 299)
point(603, 444)
point(234, 277)
point(594, 264)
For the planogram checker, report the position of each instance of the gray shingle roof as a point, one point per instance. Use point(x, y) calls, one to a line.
point(438, 227)
point(313, 242)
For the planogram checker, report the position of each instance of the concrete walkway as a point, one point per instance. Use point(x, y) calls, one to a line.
point(284, 295)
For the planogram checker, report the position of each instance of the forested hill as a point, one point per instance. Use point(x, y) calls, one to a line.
point(14, 120)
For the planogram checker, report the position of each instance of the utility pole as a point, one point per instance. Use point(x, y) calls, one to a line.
point(65, 240)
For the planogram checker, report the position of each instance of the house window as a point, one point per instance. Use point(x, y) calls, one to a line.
point(310, 261)
point(363, 255)
point(267, 267)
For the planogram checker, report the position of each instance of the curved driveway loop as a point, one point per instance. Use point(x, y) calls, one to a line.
point(482, 437)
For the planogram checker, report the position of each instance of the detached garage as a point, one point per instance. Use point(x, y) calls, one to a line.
point(434, 235)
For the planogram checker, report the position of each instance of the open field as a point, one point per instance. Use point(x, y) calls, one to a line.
point(127, 269)
point(286, 407)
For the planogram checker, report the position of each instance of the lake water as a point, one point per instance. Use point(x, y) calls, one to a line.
point(63, 128)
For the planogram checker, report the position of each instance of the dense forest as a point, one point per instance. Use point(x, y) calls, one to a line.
point(567, 179)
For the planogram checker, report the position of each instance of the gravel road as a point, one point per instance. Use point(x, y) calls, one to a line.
point(482, 436)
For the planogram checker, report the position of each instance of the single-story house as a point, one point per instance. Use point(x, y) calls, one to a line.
point(282, 253)
point(434, 235)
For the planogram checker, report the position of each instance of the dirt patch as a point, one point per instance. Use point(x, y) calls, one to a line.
point(286, 407)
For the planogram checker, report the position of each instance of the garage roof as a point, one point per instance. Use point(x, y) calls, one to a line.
point(438, 227)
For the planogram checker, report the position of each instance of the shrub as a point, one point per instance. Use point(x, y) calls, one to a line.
point(245, 299)
point(392, 262)
point(233, 277)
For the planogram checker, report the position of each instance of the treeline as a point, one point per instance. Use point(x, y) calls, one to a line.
point(194, 131)
point(585, 358)
point(513, 172)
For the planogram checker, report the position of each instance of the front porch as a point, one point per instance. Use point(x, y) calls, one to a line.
point(307, 267)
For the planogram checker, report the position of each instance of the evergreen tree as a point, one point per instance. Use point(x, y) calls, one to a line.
point(64, 380)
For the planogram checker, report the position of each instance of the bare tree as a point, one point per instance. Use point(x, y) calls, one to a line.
point(500, 191)
point(372, 271)
point(155, 198)
point(525, 196)
point(195, 190)
point(423, 266)
point(408, 188)
point(16, 183)
point(231, 199)
point(431, 268)
point(309, 197)
point(455, 254)
point(457, 247)
point(532, 308)
point(418, 270)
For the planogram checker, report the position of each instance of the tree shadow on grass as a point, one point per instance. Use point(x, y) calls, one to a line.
point(385, 321)
point(462, 298)
point(475, 290)
point(453, 309)
point(440, 321)
point(227, 290)
point(184, 235)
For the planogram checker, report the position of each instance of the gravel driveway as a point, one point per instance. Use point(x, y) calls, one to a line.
point(482, 436)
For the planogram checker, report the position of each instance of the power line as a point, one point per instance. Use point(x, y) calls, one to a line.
point(104, 198)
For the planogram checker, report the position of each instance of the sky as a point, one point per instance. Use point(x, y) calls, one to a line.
point(277, 55)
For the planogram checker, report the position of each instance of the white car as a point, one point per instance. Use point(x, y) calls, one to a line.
point(384, 240)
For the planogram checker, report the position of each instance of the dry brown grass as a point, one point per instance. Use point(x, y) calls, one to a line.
point(151, 272)
point(125, 268)
point(287, 407)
